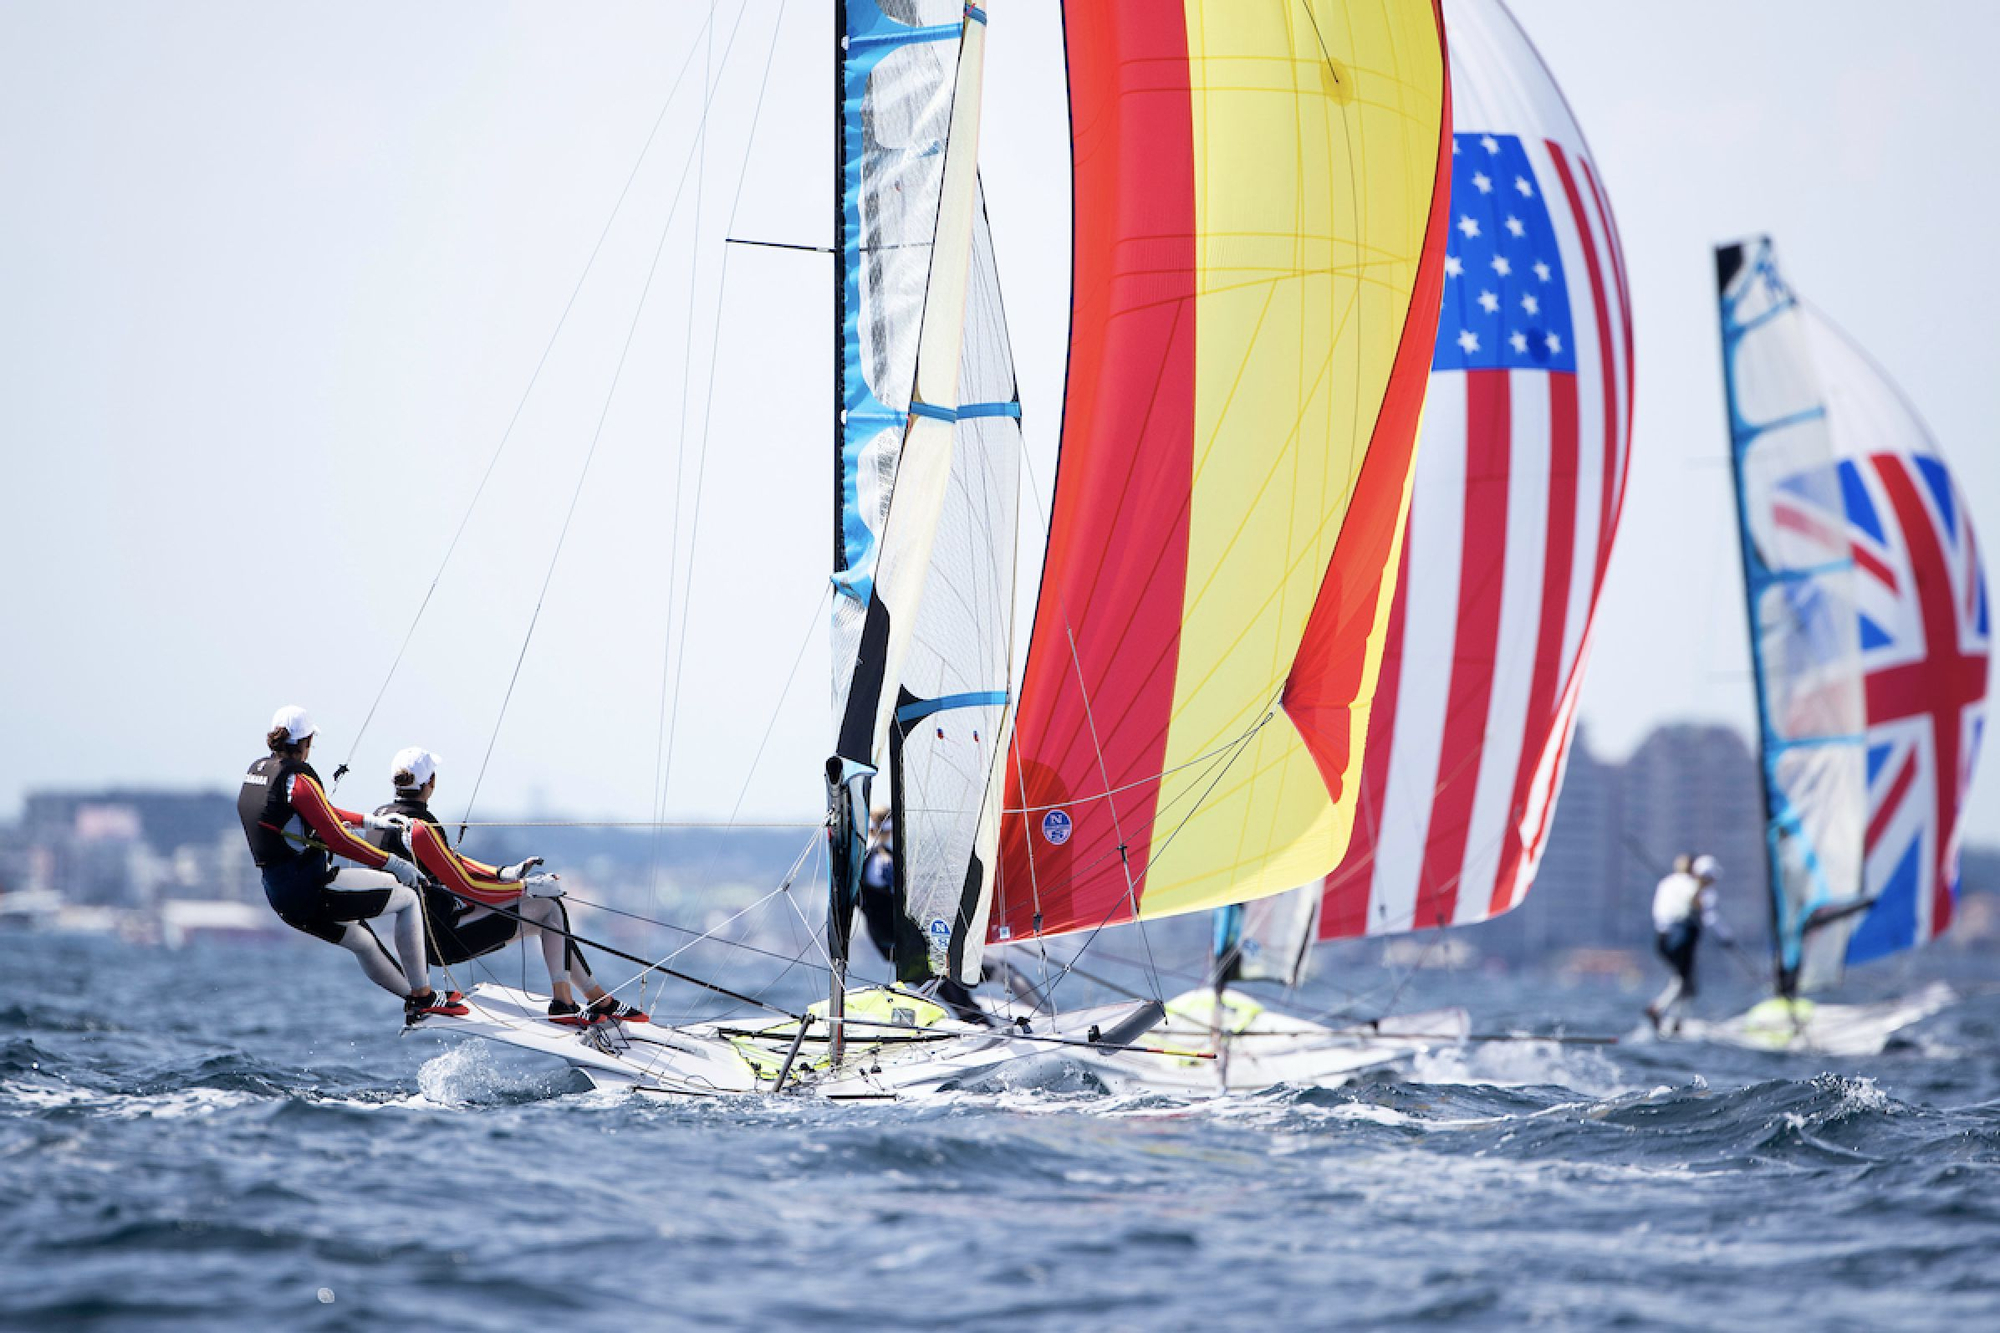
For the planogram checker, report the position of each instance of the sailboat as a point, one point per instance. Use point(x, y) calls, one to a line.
point(1869, 635)
point(1520, 479)
point(1260, 197)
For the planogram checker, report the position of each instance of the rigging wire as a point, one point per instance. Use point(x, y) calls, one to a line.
point(708, 399)
point(590, 454)
point(680, 455)
point(506, 435)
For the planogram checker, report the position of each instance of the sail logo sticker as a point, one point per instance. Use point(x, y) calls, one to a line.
point(940, 931)
point(1056, 827)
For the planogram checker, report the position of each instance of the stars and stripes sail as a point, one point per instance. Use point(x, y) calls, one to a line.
point(1258, 257)
point(1520, 478)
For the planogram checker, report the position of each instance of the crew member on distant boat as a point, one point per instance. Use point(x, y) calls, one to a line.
point(1683, 906)
point(295, 832)
point(879, 910)
point(462, 895)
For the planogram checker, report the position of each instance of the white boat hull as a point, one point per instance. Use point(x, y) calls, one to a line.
point(1808, 1027)
point(926, 1053)
point(932, 1052)
point(1256, 1048)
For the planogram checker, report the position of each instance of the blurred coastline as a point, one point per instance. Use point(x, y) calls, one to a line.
point(168, 867)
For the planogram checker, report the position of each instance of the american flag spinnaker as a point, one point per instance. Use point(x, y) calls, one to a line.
point(1520, 478)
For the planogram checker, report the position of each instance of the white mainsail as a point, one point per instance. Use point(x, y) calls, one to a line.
point(953, 712)
point(910, 130)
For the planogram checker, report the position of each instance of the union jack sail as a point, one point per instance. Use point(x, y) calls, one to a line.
point(1869, 631)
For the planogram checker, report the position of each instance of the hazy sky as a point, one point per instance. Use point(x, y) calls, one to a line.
point(273, 279)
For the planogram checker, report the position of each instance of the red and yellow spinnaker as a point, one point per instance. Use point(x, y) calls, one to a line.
point(1261, 192)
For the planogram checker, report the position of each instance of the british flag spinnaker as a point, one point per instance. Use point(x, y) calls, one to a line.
point(1869, 631)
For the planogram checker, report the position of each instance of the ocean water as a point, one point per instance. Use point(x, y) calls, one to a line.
point(236, 1137)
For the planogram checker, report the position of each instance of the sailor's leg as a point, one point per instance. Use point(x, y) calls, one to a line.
point(544, 918)
point(376, 960)
point(1666, 999)
point(574, 962)
point(358, 895)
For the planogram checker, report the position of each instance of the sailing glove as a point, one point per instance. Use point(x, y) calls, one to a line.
point(384, 823)
point(519, 871)
point(405, 873)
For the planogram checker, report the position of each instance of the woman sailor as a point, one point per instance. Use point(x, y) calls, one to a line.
point(295, 833)
point(461, 901)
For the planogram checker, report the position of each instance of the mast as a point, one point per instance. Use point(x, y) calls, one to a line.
point(1728, 261)
point(842, 879)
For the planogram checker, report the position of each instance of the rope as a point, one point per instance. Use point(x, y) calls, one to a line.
point(590, 454)
point(680, 453)
point(708, 400)
point(645, 823)
point(519, 407)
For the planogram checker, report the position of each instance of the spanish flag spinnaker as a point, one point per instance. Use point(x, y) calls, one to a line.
point(1260, 197)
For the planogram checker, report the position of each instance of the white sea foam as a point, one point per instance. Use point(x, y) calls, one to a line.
point(1519, 1064)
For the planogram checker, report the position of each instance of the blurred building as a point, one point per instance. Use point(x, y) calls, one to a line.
point(132, 848)
point(1688, 788)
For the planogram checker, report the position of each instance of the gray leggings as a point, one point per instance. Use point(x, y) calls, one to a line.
point(405, 972)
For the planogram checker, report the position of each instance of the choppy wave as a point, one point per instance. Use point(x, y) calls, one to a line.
point(179, 1162)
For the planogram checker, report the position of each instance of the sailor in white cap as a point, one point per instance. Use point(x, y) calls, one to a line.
point(295, 833)
point(462, 895)
point(1684, 906)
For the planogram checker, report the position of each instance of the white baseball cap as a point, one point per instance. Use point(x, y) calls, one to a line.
point(298, 724)
point(1705, 867)
point(418, 762)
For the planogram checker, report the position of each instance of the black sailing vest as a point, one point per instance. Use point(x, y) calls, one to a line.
point(265, 811)
point(391, 840)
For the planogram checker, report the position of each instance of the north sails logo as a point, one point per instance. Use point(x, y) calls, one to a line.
point(1056, 828)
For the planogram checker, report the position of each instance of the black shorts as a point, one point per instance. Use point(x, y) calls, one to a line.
point(1677, 945)
point(449, 941)
point(305, 899)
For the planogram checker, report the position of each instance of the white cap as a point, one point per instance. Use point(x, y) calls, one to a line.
point(298, 724)
point(418, 762)
point(1705, 867)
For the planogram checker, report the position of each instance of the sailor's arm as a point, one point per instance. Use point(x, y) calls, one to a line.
point(1711, 919)
point(330, 824)
point(470, 880)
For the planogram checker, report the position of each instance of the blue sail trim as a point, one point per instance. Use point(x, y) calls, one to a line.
point(1228, 933)
point(910, 712)
point(1780, 423)
point(871, 36)
point(969, 412)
